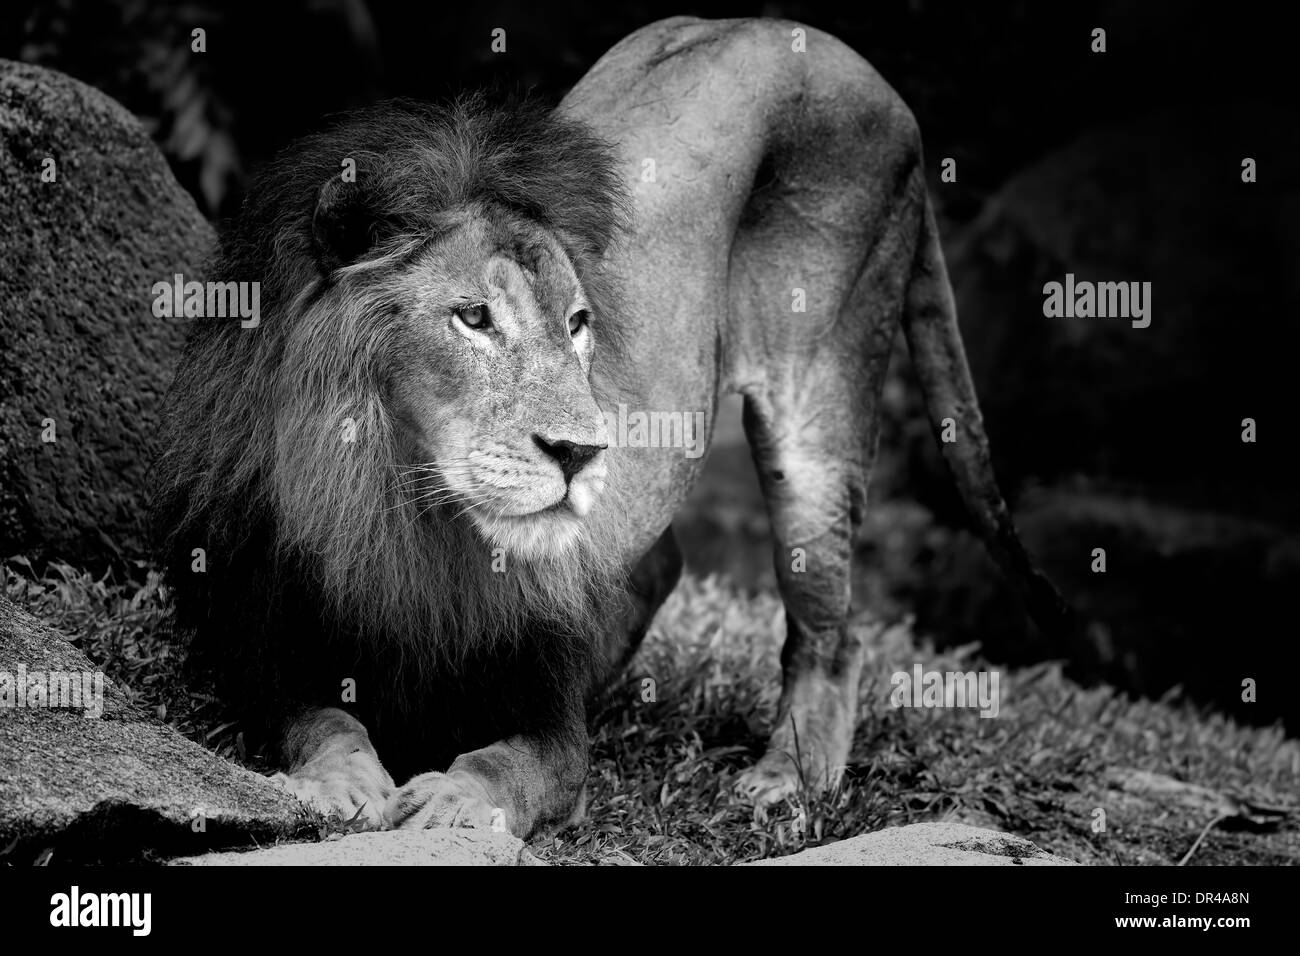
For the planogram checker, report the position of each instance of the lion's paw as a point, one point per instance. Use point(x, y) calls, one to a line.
point(355, 786)
point(771, 780)
point(822, 747)
point(443, 800)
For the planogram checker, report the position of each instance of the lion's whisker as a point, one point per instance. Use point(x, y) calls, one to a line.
point(441, 495)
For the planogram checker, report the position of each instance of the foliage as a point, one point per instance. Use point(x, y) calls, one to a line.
point(659, 791)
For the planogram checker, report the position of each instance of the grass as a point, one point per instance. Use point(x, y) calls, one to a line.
point(1170, 778)
point(125, 627)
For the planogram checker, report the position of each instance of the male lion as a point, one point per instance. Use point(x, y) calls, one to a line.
point(415, 528)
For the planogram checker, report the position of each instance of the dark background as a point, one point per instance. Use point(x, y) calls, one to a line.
point(994, 84)
point(1121, 166)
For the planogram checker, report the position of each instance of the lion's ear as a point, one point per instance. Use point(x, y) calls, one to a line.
point(344, 226)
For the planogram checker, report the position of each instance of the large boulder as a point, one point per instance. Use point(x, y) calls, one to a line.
point(439, 847)
point(1159, 200)
point(82, 358)
point(92, 780)
point(1129, 439)
point(925, 844)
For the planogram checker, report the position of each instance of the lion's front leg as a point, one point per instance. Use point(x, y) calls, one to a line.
point(521, 785)
point(334, 767)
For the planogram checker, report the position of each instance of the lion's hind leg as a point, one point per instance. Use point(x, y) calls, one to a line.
point(815, 492)
point(813, 425)
point(334, 767)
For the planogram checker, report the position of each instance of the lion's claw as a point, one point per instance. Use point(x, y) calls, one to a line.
point(443, 800)
point(771, 780)
point(340, 794)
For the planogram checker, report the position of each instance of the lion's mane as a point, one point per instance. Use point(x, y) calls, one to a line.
point(318, 567)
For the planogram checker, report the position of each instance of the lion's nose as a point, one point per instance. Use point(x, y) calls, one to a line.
point(570, 456)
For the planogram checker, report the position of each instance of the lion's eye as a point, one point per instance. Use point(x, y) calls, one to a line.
point(475, 317)
point(578, 321)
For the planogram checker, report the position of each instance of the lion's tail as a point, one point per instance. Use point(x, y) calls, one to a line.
point(930, 324)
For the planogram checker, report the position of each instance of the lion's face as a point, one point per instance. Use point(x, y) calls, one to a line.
point(493, 389)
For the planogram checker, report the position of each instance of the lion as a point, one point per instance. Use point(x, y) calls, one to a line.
point(422, 554)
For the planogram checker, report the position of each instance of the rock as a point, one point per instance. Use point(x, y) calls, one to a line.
point(925, 844)
point(1161, 793)
point(1190, 598)
point(79, 345)
point(1130, 439)
point(1157, 200)
point(441, 847)
point(115, 786)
